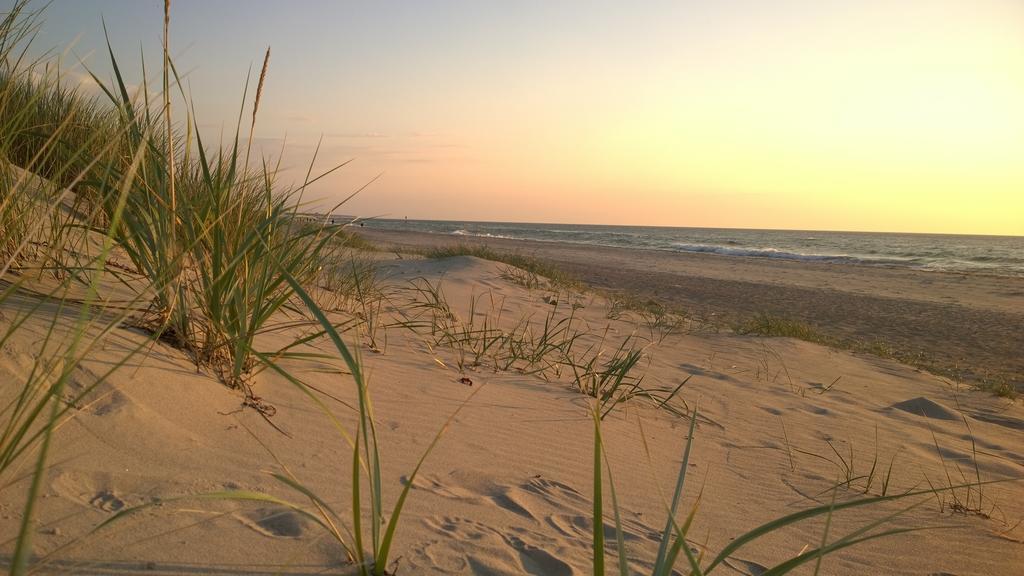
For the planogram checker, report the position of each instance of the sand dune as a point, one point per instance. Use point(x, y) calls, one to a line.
point(508, 489)
point(969, 325)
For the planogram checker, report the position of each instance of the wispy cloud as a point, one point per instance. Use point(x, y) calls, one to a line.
point(357, 135)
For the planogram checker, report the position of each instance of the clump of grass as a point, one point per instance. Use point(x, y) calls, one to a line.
point(541, 344)
point(526, 278)
point(879, 348)
point(372, 301)
point(205, 231)
point(967, 494)
point(773, 326)
point(54, 136)
point(475, 339)
point(366, 438)
point(660, 321)
point(150, 231)
point(609, 378)
point(51, 128)
point(341, 269)
point(349, 282)
point(998, 386)
point(530, 345)
point(545, 345)
point(851, 475)
point(622, 302)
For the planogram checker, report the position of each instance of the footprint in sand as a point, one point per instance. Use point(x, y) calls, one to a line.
point(475, 490)
point(106, 500)
point(537, 561)
point(436, 485)
point(492, 550)
point(88, 489)
point(555, 492)
point(510, 499)
point(581, 527)
point(110, 404)
point(275, 522)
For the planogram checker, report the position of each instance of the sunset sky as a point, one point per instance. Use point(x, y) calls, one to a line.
point(859, 115)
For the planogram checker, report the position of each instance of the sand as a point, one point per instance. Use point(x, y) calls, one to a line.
point(508, 489)
point(967, 326)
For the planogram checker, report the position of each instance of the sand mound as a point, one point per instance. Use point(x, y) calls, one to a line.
point(922, 406)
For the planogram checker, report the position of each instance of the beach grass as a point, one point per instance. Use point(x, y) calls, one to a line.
point(769, 325)
point(1000, 387)
point(546, 346)
point(71, 310)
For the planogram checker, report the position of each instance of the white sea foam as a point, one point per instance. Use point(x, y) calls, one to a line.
point(769, 252)
point(985, 254)
point(461, 232)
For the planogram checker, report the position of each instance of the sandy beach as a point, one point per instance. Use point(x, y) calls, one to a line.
point(971, 326)
point(204, 372)
point(508, 489)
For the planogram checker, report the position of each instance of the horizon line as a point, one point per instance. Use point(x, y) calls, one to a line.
point(388, 217)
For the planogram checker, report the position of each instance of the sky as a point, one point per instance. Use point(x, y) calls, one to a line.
point(816, 115)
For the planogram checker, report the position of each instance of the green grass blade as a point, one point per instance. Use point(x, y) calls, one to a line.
point(620, 541)
point(789, 519)
point(789, 565)
point(598, 513)
point(666, 534)
point(357, 509)
point(680, 544)
point(240, 495)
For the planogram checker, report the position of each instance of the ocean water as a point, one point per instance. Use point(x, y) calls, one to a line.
point(998, 255)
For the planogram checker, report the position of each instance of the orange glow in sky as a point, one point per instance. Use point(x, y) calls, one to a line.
point(873, 115)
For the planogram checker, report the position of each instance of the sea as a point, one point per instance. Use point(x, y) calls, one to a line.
point(996, 255)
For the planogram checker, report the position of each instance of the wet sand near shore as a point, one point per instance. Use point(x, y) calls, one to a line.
point(968, 325)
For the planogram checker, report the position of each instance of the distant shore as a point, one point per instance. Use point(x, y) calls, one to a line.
point(967, 325)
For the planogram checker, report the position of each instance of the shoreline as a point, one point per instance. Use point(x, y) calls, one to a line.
point(666, 227)
point(775, 249)
point(825, 260)
point(966, 325)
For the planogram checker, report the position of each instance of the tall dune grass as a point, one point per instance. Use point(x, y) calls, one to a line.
point(215, 245)
point(203, 230)
point(61, 152)
point(69, 312)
